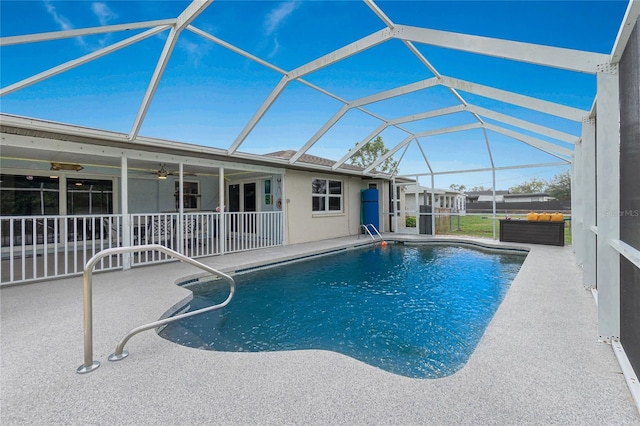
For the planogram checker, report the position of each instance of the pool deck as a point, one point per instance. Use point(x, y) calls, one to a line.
point(539, 361)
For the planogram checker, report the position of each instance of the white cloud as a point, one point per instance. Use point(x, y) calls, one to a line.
point(105, 15)
point(274, 50)
point(277, 16)
point(195, 51)
point(103, 12)
point(64, 23)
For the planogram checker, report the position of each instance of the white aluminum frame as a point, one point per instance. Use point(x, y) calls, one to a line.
point(598, 236)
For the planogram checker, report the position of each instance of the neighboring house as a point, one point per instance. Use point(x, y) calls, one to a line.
point(506, 197)
point(515, 203)
point(527, 198)
point(444, 198)
point(481, 196)
point(69, 192)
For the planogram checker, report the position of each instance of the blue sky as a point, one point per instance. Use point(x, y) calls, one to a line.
point(207, 93)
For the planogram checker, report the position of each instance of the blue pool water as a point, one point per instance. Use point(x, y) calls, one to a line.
point(417, 311)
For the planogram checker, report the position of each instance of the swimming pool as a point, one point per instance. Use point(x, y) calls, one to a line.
point(417, 311)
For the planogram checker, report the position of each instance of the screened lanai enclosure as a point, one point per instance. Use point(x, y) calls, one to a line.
point(213, 127)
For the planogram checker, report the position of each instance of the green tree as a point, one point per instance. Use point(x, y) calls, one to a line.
point(560, 186)
point(371, 152)
point(456, 187)
point(529, 187)
point(478, 188)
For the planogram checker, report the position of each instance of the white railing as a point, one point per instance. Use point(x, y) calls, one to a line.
point(37, 247)
point(252, 230)
point(42, 247)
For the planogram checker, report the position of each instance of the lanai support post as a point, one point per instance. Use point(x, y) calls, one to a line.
point(417, 204)
point(182, 244)
point(433, 205)
point(284, 235)
point(587, 192)
point(577, 203)
point(124, 210)
point(608, 201)
point(222, 235)
point(493, 191)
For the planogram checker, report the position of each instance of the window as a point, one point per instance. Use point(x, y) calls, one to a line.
point(28, 195)
point(191, 195)
point(89, 196)
point(326, 195)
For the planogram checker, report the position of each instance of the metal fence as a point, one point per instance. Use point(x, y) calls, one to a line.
point(42, 247)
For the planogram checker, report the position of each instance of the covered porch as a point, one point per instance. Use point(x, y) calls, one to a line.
point(70, 199)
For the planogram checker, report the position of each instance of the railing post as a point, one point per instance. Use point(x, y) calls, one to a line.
point(89, 364)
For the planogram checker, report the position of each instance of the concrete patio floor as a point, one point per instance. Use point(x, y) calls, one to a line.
point(539, 361)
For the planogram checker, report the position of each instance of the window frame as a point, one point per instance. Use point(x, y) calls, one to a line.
point(327, 196)
point(187, 196)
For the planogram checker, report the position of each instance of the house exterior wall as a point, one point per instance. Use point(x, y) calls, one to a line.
point(155, 195)
point(275, 192)
point(304, 225)
point(143, 196)
point(410, 202)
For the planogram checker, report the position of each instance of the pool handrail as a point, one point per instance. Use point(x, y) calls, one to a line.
point(90, 364)
point(366, 228)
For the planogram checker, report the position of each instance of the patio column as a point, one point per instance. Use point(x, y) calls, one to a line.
point(62, 194)
point(417, 200)
point(284, 203)
point(181, 242)
point(222, 236)
point(62, 208)
point(433, 205)
point(124, 211)
point(493, 192)
point(577, 203)
point(587, 192)
point(608, 201)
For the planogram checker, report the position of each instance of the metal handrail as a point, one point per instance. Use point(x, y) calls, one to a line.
point(368, 232)
point(375, 229)
point(89, 364)
point(366, 228)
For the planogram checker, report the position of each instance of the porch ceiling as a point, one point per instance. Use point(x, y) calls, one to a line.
point(486, 113)
point(14, 157)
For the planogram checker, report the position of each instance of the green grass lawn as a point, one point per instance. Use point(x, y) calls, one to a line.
point(482, 226)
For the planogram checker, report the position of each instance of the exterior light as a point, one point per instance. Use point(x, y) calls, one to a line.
point(66, 166)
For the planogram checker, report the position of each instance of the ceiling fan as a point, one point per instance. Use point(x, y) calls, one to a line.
point(162, 173)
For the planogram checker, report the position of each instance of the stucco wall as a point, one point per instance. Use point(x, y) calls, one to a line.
point(155, 195)
point(303, 225)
